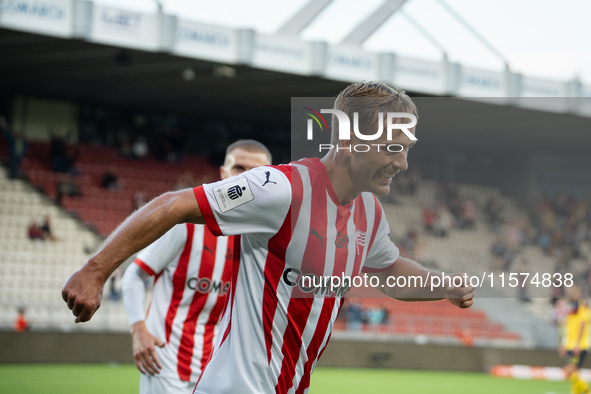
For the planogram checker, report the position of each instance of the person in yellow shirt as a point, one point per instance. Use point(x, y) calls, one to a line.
point(575, 344)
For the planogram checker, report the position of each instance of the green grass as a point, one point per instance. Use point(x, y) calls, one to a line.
point(92, 378)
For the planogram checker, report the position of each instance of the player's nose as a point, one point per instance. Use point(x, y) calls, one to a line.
point(400, 161)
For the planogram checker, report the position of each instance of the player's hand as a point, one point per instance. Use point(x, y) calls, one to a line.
point(83, 292)
point(144, 349)
point(576, 350)
point(561, 351)
point(461, 296)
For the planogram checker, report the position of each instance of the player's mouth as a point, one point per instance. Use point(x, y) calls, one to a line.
point(385, 175)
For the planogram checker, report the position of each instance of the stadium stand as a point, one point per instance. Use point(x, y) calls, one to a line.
point(439, 320)
point(32, 272)
point(103, 208)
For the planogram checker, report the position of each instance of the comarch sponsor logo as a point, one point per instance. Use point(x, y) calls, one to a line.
point(280, 50)
point(36, 9)
point(121, 20)
point(210, 38)
point(359, 62)
point(482, 81)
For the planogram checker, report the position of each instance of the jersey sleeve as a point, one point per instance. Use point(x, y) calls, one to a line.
point(383, 253)
point(256, 201)
point(154, 258)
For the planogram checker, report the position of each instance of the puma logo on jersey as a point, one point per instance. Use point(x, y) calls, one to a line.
point(320, 237)
point(268, 175)
point(208, 250)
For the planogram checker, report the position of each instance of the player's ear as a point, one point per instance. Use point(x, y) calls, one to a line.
point(346, 146)
point(223, 173)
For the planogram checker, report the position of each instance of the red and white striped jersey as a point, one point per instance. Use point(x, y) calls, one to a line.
point(192, 270)
point(292, 225)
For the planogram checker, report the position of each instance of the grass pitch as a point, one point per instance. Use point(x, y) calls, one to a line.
point(103, 378)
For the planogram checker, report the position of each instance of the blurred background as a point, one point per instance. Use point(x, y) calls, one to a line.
point(105, 105)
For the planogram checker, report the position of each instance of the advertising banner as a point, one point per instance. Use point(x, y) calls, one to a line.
point(52, 17)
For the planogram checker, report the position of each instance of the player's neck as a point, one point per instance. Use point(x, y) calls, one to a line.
point(337, 169)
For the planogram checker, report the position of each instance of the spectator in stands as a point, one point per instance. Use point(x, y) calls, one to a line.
point(35, 232)
point(521, 267)
point(58, 153)
point(465, 336)
point(170, 143)
point(410, 241)
point(185, 180)
point(110, 179)
point(125, 150)
point(46, 230)
point(386, 314)
point(140, 148)
point(428, 215)
point(413, 182)
point(66, 185)
point(499, 251)
point(21, 324)
point(494, 213)
point(17, 147)
point(355, 316)
point(375, 317)
point(115, 285)
point(544, 242)
point(140, 198)
point(444, 221)
point(468, 213)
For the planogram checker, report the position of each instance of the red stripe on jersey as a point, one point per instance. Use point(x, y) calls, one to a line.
point(206, 211)
point(145, 267)
point(316, 342)
point(178, 281)
point(275, 263)
point(300, 304)
point(214, 314)
point(187, 344)
point(297, 316)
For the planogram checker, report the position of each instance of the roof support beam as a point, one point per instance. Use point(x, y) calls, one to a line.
point(303, 17)
point(376, 19)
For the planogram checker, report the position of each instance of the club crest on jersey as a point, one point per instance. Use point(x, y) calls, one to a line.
point(232, 194)
point(360, 236)
point(342, 241)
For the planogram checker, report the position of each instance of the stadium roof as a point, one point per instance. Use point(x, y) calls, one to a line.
point(88, 72)
point(79, 51)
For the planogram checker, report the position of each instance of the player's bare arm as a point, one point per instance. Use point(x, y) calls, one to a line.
point(83, 290)
point(462, 297)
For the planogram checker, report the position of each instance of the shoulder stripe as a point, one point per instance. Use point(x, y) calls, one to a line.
point(206, 212)
point(145, 267)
